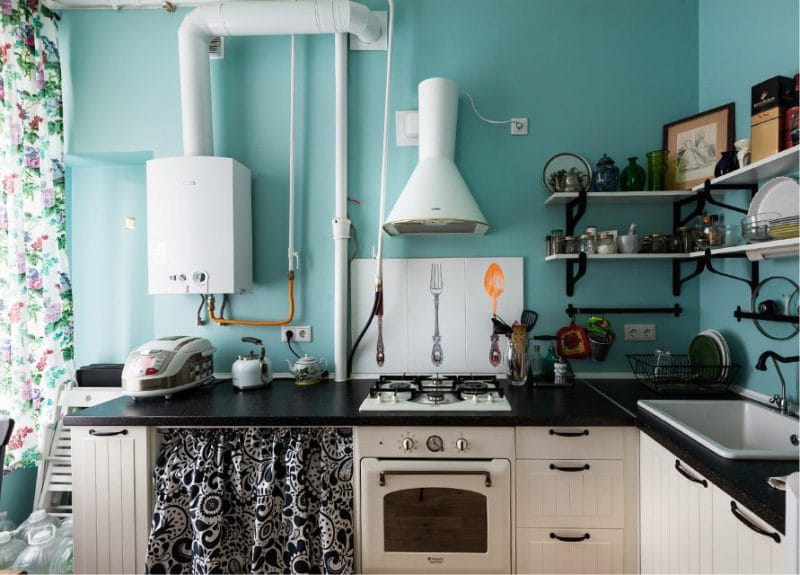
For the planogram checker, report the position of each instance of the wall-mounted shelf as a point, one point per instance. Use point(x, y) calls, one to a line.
point(758, 251)
point(780, 164)
point(669, 256)
point(560, 199)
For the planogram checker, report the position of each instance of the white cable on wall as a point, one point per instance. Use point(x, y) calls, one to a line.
point(477, 113)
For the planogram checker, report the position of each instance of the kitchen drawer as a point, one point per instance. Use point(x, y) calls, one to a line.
point(566, 493)
point(569, 442)
point(591, 551)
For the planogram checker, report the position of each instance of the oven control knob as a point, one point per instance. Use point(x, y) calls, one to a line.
point(435, 443)
point(462, 444)
point(407, 444)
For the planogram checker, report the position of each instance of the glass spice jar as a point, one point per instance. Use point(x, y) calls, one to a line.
point(556, 242)
point(658, 243)
point(548, 246)
point(606, 244)
point(571, 245)
point(587, 243)
point(686, 236)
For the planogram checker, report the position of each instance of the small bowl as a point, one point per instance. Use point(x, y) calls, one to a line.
point(629, 244)
point(755, 228)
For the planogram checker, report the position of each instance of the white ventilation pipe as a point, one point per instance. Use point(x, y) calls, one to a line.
point(341, 223)
point(260, 18)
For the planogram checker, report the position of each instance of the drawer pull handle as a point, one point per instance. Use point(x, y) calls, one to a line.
point(96, 433)
point(584, 467)
point(689, 476)
point(565, 539)
point(569, 433)
point(741, 517)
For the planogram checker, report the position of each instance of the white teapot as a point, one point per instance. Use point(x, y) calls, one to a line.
point(308, 369)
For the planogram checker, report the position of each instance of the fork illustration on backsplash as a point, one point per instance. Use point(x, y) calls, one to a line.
point(437, 286)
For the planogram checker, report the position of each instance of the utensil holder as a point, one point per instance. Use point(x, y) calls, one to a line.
point(599, 348)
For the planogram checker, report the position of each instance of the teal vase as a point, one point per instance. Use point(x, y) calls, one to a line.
point(633, 177)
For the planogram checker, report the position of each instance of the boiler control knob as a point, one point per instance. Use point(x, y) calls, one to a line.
point(462, 444)
point(407, 444)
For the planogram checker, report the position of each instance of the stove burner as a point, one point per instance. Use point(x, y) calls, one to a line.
point(472, 388)
point(398, 386)
point(435, 396)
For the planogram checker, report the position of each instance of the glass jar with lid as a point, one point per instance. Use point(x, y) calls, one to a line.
point(556, 242)
point(659, 243)
point(571, 245)
point(587, 243)
point(606, 244)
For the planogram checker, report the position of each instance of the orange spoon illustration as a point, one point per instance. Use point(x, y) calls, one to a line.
point(494, 282)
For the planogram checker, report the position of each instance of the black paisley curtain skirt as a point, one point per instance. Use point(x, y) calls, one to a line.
point(253, 500)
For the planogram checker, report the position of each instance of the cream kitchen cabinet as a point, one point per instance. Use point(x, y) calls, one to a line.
point(576, 500)
point(688, 525)
point(675, 513)
point(112, 497)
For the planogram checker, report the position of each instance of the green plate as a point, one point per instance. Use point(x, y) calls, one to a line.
point(705, 357)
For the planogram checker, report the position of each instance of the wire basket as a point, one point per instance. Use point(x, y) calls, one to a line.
point(680, 376)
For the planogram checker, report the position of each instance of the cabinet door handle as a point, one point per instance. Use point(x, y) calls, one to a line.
point(96, 433)
point(569, 433)
point(584, 467)
point(689, 476)
point(741, 517)
point(565, 539)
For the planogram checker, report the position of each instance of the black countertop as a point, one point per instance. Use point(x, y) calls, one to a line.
point(336, 404)
point(745, 481)
point(593, 403)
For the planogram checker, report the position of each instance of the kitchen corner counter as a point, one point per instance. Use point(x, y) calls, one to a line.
point(336, 404)
point(743, 480)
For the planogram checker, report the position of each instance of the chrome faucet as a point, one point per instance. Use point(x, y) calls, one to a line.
point(780, 401)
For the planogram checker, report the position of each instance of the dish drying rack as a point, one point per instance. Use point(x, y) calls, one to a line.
point(680, 376)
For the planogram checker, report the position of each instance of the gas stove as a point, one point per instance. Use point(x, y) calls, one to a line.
point(436, 393)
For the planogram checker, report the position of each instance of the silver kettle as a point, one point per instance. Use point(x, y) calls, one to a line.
point(252, 371)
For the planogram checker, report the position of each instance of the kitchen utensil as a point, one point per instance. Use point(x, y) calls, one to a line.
point(380, 355)
point(755, 227)
point(529, 319)
point(500, 327)
point(168, 365)
point(252, 371)
point(494, 351)
point(567, 172)
point(572, 342)
point(494, 282)
point(517, 356)
point(307, 370)
point(437, 286)
point(783, 293)
point(780, 195)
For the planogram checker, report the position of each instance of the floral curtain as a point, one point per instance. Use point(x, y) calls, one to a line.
point(35, 298)
point(253, 500)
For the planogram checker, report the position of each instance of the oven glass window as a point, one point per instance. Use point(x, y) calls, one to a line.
point(434, 519)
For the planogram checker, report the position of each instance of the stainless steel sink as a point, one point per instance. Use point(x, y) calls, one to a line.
point(734, 429)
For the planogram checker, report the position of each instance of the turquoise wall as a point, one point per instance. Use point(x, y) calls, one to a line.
point(592, 78)
point(738, 48)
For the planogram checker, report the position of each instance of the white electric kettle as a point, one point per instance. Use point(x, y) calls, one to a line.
point(252, 371)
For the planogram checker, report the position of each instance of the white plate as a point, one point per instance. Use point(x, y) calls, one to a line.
point(724, 351)
point(781, 195)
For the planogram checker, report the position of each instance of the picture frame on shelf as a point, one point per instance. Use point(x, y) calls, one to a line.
point(695, 145)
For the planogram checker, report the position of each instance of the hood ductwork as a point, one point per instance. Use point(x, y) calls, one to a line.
point(436, 199)
point(259, 18)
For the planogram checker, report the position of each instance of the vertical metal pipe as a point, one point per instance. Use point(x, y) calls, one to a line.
point(341, 223)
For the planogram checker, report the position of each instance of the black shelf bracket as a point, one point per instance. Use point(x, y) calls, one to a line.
point(576, 207)
point(704, 263)
point(740, 315)
point(704, 197)
point(572, 276)
point(572, 311)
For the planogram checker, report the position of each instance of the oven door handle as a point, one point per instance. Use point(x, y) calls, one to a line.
point(382, 475)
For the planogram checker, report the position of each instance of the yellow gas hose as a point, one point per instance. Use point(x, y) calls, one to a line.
point(286, 321)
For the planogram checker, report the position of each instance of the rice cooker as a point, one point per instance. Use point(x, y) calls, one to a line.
point(168, 365)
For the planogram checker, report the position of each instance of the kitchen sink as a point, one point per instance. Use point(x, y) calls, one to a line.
point(733, 429)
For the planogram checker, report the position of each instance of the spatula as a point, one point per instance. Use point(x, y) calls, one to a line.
point(529, 318)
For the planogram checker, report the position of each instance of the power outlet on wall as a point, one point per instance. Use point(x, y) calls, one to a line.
point(640, 332)
point(300, 333)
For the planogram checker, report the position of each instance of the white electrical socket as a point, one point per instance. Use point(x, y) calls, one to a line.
point(640, 332)
point(519, 126)
point(300, 333)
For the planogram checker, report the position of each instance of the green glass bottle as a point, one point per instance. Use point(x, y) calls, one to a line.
point(548, 365)
point(633, 177)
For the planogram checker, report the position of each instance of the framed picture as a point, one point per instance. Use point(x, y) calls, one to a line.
point(695, 144)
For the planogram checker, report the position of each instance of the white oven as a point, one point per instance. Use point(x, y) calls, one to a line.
point(435, 500)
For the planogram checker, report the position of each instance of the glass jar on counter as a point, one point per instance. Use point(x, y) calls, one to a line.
point(659, 243)
point(556, 242)
point(571, 245)
point(606, 244)
point(587, 243)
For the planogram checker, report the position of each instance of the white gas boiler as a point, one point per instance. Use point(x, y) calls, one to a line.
point(199, 226)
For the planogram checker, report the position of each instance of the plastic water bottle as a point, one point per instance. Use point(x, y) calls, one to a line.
point(38, 518)
point(536, 364)
point(10, 548)
point(5, 523)
point(39, 553)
